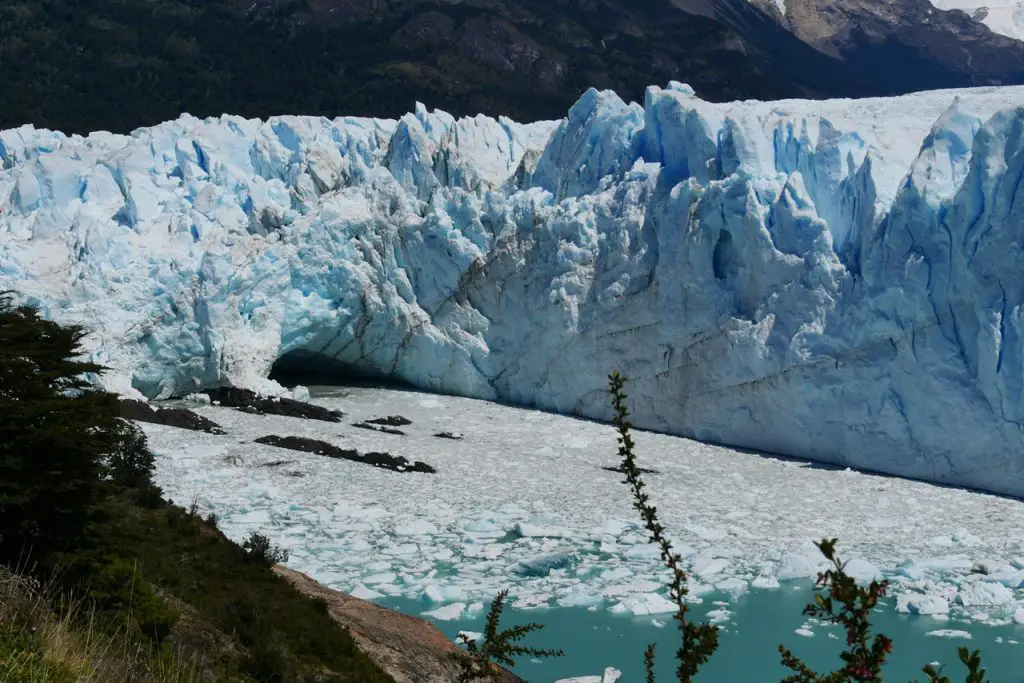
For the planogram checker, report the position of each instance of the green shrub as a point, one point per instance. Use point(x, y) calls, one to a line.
point(48, 637)
point(258, 547)
point(119, 589)
point(496, 647)
point(21, 654)
point(278, 633)
point(268, 660)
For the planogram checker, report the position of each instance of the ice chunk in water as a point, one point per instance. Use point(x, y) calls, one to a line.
point(541, 565)
point(416, 527)
point(985, 593)
point(610, 675)
point(363, 593)
point(528, 530)
point(706, 567)
point(765, 583)
point(949, 633)
point(910, 603)
point(800, 565)
point(645, 551)
point(447, 613)
point(438, 594)
point(862, 570)
point(649, 603)
point(719, 616)
point(734, 586)
point(1011, 579)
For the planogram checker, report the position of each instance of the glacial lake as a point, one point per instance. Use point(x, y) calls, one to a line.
point(748, 645)
point(524, 500)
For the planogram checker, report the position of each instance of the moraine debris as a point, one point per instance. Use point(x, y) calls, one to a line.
point(395, 463)
point(130, 409)
point(250, 402)
point(378, 428)
point(391, 421)
point(456, 436)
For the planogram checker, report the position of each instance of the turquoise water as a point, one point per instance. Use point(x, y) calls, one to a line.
point(748, 648)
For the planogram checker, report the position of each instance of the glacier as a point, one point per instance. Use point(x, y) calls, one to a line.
point(840, 280)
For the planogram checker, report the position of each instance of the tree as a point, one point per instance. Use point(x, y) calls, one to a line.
point(130, 464)
point(56, 432)
point(258, 547)
point(496, 647)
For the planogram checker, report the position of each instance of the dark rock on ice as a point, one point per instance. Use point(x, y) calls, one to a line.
point(391, 421)
point(449, 435)
point(250, 402)
point(378, 428)
point(395, 463)
point(182, 418)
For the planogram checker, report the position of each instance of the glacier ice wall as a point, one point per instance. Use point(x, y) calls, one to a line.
point(839, 280)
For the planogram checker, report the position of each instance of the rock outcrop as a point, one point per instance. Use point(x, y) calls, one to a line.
point(409, 649)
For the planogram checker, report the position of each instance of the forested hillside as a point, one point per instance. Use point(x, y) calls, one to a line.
point(81, 65)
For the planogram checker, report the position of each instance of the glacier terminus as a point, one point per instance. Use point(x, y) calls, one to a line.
point(839, 280)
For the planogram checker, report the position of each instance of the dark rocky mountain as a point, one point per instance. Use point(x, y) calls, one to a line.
point(80, 65)
point(900, 45)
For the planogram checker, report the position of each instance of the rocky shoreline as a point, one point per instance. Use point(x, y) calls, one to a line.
point(408, 648)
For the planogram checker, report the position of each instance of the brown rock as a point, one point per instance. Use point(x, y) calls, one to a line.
point(409, 649)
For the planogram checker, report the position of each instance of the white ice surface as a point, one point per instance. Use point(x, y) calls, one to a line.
point(744, 515)
point(1002, 16)
point(837, 280)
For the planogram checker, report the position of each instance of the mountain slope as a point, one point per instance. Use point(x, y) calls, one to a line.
point(1005, 17)
point(906, 44)
point(82, 65)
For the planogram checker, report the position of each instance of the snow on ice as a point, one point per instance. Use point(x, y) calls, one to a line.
point(1001, 16)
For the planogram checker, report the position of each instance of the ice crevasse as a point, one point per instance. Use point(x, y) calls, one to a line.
point(839, 280)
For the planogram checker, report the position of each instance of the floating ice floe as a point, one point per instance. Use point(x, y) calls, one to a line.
point(449, 539)
point(908, 603)
point(610, 675)
point(950, 633)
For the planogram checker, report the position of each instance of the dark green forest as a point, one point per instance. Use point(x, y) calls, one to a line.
point(82, 65)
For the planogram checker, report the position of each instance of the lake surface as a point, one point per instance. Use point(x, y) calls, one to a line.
point(748, 650)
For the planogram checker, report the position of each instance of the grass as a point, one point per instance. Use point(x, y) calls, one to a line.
point(175, 588)
point(46, 638)
point(158, 595)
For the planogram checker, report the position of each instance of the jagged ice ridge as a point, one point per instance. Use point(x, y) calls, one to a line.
point(838, 280)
